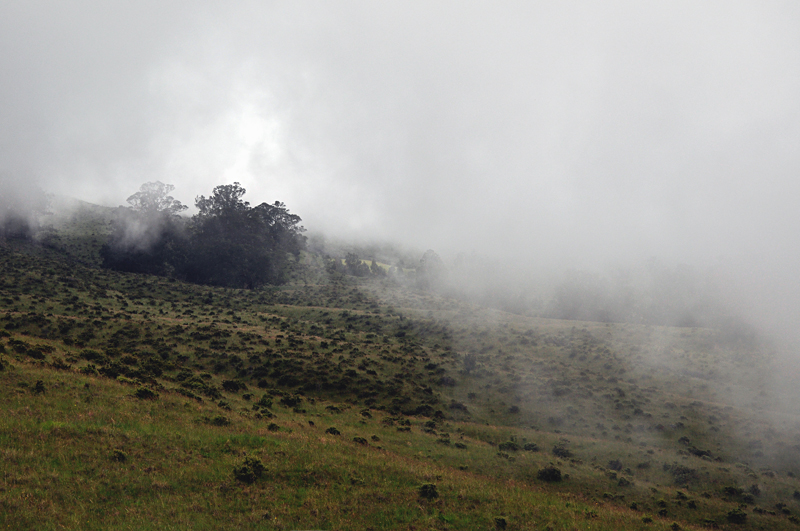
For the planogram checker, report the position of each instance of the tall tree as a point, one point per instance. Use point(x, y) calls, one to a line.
point(236, 245)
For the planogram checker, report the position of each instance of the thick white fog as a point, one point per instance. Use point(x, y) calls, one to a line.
point(551, 134)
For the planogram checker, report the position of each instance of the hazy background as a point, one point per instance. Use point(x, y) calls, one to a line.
point(552, 134)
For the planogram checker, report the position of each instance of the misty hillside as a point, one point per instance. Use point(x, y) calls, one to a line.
point(347, 398)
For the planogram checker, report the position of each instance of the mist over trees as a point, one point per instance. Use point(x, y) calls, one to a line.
point(21, 205)
point(149, 236)
point(227, 243)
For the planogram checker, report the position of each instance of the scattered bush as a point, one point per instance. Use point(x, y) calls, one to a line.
point(273, 427)
point(249, 470)
point(508, 446)
point(89, 370)
point(291, 400)
point(550, 474)
point(560, 450)
point(119, 456)
point(38, 388)
point(220, 420)
point(682, 475)
point(232, 386)
point(737, 516)
point(360, 440)
point(428, 491)
point(333, 431)
point(500, 522)
point(144, 393)
point(531, 447)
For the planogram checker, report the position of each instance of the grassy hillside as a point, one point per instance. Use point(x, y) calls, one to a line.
point(138, 402)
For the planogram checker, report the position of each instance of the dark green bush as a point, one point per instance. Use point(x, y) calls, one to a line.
point(560, 450)
point(232, 386)
point(219, 420)
point(531, 447)
point(90, 369)
point(144, 393)
point(249, 470)
point(550, 474)
point(119, 456)
point(333, 431)
point(428, 491)
point(737, 516)
point(508, 446)
point(291, 400)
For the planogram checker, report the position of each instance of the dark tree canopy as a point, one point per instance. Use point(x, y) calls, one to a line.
point(225, 202)
point(234, 244)
point(227, 243)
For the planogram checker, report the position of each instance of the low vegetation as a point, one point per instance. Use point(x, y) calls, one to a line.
point(337, 401)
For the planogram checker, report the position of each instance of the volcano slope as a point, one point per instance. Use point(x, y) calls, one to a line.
point(138, 402)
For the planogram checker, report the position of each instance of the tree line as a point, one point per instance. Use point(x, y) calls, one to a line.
point(227, 243)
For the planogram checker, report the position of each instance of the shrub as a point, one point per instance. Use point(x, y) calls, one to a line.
point(508, 446)
point(428, 491)
point(220, 420)
point(144, 393)
point(90, 370)
point(550, 474)
point(560, 450)
point(500, 522)
point(615, 464)
point(119, 456)
point(291, 400)
point(273, 427)
point(531, 447)
point(360, 440)
point(681, 475)
point(333, 431)
point(232, 386)
point(737, 516)
point(265, 401)
point(249, 470)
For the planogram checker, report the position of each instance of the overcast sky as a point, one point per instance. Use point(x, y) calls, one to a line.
point(569, 133)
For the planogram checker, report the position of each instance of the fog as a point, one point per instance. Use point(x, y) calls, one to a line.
point(549, 135)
